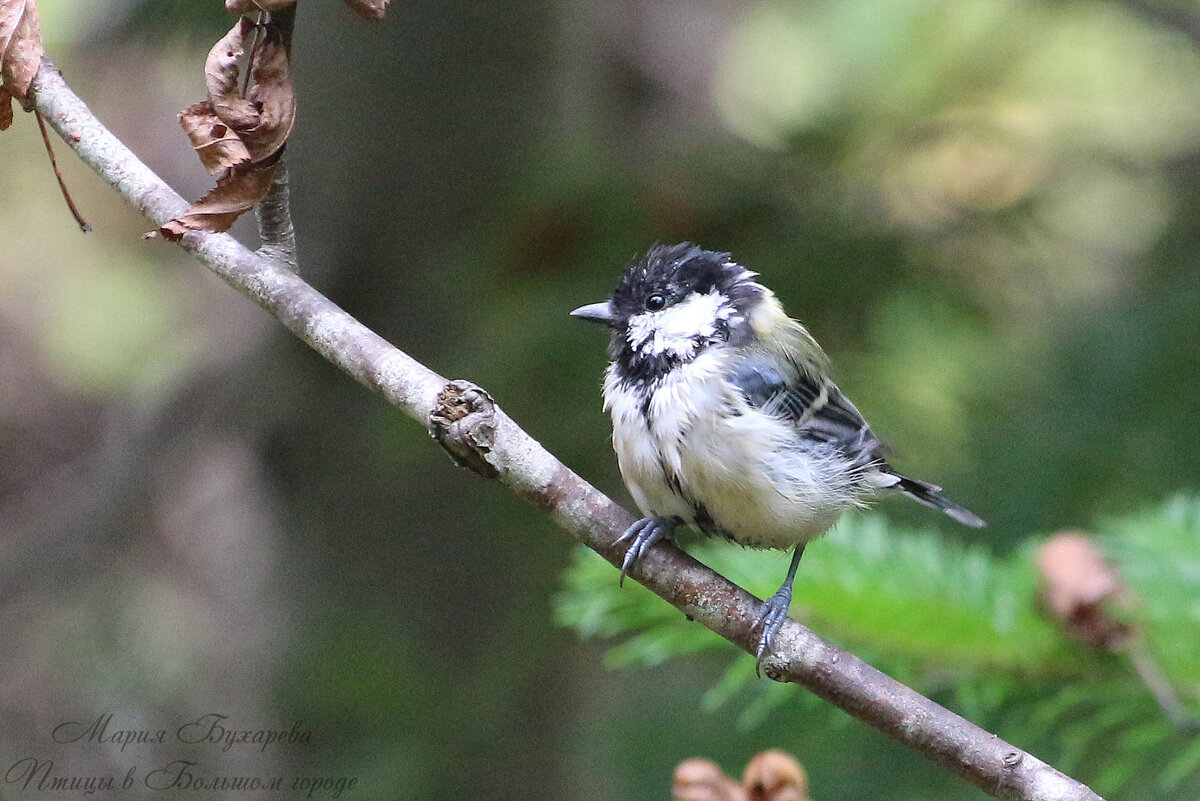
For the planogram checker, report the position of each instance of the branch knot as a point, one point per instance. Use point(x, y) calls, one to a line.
point(463, 422)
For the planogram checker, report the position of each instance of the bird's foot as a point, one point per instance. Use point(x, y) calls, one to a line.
point(770, 617)
point(641, 535)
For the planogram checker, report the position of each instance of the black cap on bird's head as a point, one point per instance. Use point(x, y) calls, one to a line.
point(673, 303)
point(668, 274)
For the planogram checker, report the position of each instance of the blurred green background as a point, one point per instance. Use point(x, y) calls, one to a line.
point(985, 211)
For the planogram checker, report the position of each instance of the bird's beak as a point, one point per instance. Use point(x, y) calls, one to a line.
point(596, 313)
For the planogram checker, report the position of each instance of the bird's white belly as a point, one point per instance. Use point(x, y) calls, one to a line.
point(699, 448)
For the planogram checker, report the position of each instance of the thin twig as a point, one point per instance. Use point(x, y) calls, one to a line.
point(523, 465)
point(275, 227)
point(1156, 681)
point(253, 51)
point(83, 224)
point(274, 213)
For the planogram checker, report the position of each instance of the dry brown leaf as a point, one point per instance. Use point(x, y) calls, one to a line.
point(221, 78)
point(243, 136)
point(369, 9)
point(6, 115)
point(20, 48)
point(273, 98)
point(702, 780)
point(263, 121)
point(775, 776)
point(247, 6)
point(236, 192)
point(217, 145)
point(1079, 589)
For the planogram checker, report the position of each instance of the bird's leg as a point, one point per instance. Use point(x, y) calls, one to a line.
point(775, 610)
point(643, 534)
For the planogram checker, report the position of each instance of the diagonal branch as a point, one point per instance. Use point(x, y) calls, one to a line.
point(481, 436)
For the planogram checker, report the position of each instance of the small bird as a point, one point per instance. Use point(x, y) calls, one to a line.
point(724, 416)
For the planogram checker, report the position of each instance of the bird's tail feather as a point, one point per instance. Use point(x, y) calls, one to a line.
point(929, 495)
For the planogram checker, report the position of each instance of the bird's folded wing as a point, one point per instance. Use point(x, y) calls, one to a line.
point(816, 407)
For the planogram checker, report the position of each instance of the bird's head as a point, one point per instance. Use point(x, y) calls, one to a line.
point(674, 304)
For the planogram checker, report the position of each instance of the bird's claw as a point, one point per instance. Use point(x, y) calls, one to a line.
point(770, 617)
point(643, 533)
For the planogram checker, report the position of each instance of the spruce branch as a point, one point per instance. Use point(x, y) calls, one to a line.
point(481, 436)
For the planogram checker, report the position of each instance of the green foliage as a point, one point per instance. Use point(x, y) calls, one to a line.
point(961, 625)
point(1159, 556)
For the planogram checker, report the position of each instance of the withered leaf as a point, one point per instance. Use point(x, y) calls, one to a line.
point(369, 9)
point(236, 192)
point(246, 6)
point(221, 78)
point(1080, 590)
point(243, 136)
point(775, 776)
point(702, 780)
point(20, 48)
point(6, 115)
point(263, 121)
point(217, 145)
point(272, 97)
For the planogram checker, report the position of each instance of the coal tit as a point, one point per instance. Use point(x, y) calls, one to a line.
point(724, 416)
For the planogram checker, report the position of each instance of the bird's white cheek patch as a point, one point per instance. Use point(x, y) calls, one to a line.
point(674, 329)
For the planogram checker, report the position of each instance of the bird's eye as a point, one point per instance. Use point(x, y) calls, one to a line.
point(655, 302)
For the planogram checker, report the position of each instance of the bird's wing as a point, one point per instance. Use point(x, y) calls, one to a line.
point(821, 413)
point(815, 406)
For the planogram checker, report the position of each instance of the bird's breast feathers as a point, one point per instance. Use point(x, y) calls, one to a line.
point(696, 449)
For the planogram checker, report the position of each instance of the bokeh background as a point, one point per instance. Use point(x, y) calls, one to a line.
point(985, 211)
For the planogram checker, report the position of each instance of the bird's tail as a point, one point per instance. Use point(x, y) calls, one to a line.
point(930, 495)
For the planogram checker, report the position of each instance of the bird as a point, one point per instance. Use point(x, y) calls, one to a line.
point(725, 418)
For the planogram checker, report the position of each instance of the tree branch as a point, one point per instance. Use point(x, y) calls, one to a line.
point(275, 221)
point(482, 437)
point(274, 213)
